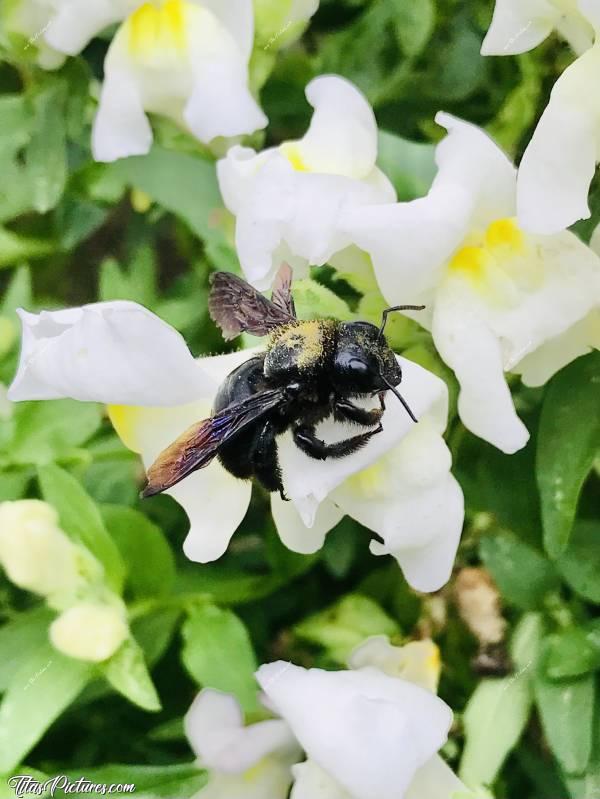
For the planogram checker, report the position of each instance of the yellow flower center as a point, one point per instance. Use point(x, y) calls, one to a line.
point(291, 150)
point(499, 261)
point(158, 28)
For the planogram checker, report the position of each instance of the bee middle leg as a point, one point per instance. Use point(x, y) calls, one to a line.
point(264, 458)
point(344, 410)
point(306, 439)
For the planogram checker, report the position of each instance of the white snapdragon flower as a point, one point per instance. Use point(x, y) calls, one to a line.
point(91, 630)
point(560, 161)
point(184, 59)
point(498, 299)
point(399, 485)
point(287, 199)
point(58, 28)
point(35, 553)
point(251, 762)
point(418, 662)
point(366, 734)
point(520, 25)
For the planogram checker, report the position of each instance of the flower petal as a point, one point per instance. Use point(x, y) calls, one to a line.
point(271, 777)
point(409, 242)
point(312, 782)
point(113, 352)
point(412, 501)
point(342, 136)
point(417, 661)
point(435, 780)
point(213, 521)
point(441, 509)
point(215, 729)
point(308, 482)
point(300, 210)
point(295, 534)
point(539, 366)
point(468, 345)
point(70, 30)
point(236, 16)
point(518, 26)
point(121, 127)
point(556, 284)
point(370, 732)
point(220, 103)
point(559, 163)
point(470, 158)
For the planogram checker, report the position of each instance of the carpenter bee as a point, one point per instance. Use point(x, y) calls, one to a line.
point(309, 371)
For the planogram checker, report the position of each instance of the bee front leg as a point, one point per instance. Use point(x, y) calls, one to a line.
point(306, 440)
point(344, 410)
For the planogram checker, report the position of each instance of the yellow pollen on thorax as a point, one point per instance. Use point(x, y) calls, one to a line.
point(291, 150)
point(160, 27)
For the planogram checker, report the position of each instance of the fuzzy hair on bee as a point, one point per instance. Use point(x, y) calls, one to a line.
point(310, 370)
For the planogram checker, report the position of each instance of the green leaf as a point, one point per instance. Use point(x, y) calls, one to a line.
point(144, 549)
point(138, 283)
point(128, 674)
point(523, 575)
point(18, 293)
point(345, 625)
point(568, 443)
point(151, 782)
point(81, 519)
point(46, 155)
point(15, 114)
point(21, 637)
point(16, 248)
point(566, 711)
point(414, 24)
point(13, 483)
point(45, 684)
point(47, 431)
point(580, 564)
point(526, 642)
point(409, 165)
point(314, 301)
point(187, 186)
point(154, 632)
point(572, 653)
point(494, 720)
point(217, 652)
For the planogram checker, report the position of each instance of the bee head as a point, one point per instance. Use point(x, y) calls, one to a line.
point(364, 362)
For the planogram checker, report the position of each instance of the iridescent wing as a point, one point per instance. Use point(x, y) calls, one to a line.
point(200, 443)
point(236, 307)
point(281, 294)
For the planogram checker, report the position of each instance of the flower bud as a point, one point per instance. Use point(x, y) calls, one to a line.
point(90, 631)
point(34, 551)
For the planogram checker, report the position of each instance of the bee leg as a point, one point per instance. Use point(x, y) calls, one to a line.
point(265, 460)
point(344, 410)
point(307, 441)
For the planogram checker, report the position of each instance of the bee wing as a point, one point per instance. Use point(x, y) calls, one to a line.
point(199, 444)
point(281, 295)
point(236, 307)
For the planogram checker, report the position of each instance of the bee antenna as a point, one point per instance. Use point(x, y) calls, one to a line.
point(387, 311)
point(395, 391)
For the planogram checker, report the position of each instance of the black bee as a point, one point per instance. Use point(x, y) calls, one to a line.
point(310, 370)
